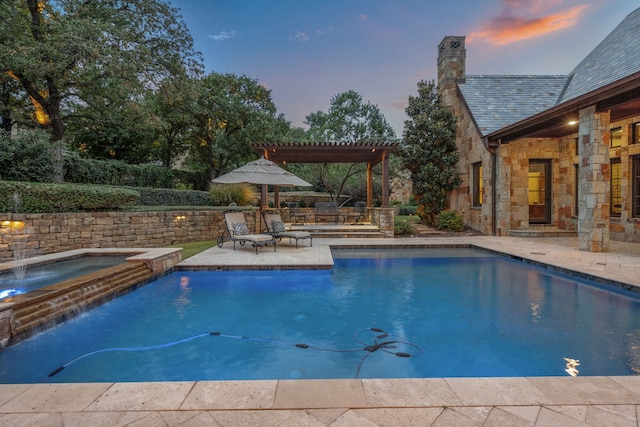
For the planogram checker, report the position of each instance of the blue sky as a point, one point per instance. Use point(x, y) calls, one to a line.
point(307, 51)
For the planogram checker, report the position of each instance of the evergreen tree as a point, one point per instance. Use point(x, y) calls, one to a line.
point(428, 150)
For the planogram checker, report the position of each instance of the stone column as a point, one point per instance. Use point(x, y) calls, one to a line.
point(594, 175)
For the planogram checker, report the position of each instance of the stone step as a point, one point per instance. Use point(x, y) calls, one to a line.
point(348, 234)
point(340, 230)
point(542, 232)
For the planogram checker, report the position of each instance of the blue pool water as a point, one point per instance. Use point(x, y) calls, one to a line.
point(450, 312)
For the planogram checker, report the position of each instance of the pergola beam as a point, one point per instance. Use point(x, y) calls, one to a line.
point(370, 153)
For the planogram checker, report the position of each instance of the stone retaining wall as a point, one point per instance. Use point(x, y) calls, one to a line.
point(27, 235)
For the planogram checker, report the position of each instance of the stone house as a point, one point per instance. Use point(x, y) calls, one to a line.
point(555, 151)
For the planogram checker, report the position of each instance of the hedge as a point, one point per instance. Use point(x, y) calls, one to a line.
point(29, 197)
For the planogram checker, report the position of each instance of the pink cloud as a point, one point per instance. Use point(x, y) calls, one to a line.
point(515, 23)
point(399, 105)
point(363, 17)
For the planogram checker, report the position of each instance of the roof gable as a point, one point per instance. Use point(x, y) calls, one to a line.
point(498, 101)
point(616, 57)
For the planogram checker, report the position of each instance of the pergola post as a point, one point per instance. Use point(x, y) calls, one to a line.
point(385, 179)
point(369, 185)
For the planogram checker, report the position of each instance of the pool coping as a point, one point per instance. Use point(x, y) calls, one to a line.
point(468, 401)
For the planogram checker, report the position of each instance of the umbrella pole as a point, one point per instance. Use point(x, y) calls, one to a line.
point(263, 197)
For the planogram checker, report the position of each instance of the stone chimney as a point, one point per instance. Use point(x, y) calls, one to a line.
point(451, 62)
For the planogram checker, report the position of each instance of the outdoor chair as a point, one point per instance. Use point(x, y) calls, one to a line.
point(356, 214)
point(296, 213)
point(239, 232)
point(327, 210)
point(276, 228)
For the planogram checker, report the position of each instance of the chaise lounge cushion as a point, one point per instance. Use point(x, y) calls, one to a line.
point(278, 227)
point(240, 229)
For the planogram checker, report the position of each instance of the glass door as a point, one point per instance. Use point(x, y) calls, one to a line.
point(539, 193)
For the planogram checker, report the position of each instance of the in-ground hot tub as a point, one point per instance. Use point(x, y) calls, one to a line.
point(24, 314)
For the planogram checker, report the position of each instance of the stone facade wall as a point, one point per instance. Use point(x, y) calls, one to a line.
point(594, 175)
point(26, 235)
point(401, 188)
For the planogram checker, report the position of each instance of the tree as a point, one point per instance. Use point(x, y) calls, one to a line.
point(428, 150)
point(173, 105)
point(65, 53)
point(232, 112)
point(348, 120)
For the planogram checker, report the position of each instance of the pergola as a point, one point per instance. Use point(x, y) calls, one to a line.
point(370, 153)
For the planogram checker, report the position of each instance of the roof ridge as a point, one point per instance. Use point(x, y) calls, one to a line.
point(518, 75)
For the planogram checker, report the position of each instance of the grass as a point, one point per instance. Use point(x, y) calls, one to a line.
point(190, 249)
point(406, 218)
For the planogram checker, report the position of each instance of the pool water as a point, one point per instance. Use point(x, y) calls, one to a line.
point(446, 313)
point(41, 275)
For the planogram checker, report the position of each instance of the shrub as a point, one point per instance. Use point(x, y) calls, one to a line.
point(225, 194)
point(82, 170)
point(450, 221)
point(26, 157)
point(29, 197)
point(402, 227)
point(169, 197)
point(407, 210)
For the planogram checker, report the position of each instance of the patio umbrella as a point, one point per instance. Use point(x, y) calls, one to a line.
point(262, 171)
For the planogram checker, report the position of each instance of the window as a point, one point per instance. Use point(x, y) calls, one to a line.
point(477, 184)
point(636, 186)
point(616, 187)
point(616, 137)
point(635, 133)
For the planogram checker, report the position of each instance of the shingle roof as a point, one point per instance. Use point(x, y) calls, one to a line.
point(616, 57)
point(498, 101)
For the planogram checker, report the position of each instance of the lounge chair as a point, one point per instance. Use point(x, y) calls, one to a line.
point(276, 228)
point(239, 232)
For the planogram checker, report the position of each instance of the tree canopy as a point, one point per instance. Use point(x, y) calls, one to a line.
point(428, 150)
point(232, 112)
point(68, 54)
point(348, 119)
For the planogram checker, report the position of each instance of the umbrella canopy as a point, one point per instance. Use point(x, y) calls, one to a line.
point(261, 171)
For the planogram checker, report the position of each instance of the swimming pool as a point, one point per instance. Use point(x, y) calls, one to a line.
point(450, 312)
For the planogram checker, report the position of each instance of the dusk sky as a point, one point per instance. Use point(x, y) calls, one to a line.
point(308, 51)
